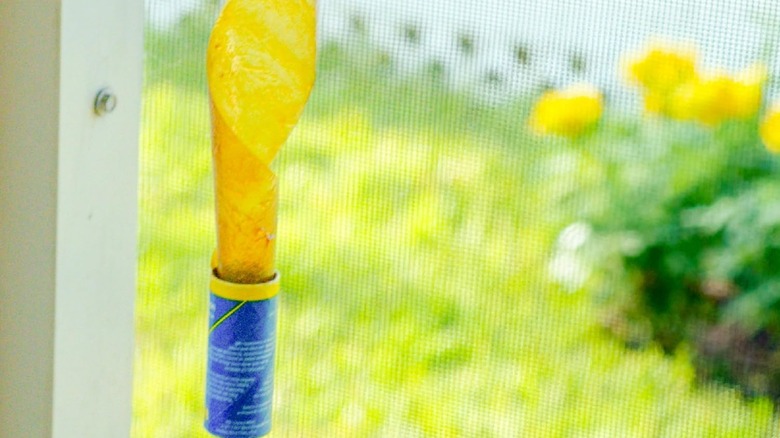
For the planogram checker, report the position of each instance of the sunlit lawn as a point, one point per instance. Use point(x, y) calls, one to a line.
point(415, 228)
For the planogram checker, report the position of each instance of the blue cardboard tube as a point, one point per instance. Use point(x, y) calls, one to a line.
point(241, 351)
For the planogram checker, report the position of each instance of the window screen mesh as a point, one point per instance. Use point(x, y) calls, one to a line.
point(497, 219)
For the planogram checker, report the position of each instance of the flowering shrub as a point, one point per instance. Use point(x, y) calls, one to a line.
point(685, 251)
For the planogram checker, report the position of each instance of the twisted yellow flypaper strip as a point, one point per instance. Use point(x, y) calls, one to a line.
point(260, 68)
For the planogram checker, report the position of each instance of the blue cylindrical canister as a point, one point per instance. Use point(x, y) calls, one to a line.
point(240, 369)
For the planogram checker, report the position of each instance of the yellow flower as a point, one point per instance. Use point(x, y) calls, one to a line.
point(672, 87)
point(662, 67)
point(675, 104)
point(681, 103)
point(770, 129)
point(568, 112)
point(721, 97)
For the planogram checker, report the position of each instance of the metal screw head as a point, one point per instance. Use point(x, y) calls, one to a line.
point(105, 101)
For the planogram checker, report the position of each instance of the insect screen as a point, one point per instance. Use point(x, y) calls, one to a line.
point(501, 218)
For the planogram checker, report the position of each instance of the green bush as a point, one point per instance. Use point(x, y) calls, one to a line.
point(687, 241)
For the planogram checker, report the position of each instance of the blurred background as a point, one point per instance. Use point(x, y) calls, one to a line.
point(511, 218)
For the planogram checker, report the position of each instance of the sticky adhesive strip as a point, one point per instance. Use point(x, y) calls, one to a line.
point(240, 369)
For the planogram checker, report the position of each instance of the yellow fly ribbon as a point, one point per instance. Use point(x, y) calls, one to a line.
point(260, 69)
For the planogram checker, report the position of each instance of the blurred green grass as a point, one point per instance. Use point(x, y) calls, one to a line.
point(415, 228)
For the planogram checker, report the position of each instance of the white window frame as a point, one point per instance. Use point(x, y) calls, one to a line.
point(68, 215)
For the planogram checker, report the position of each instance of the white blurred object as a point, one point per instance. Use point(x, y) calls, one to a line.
point(574, 236)
point(568, 267)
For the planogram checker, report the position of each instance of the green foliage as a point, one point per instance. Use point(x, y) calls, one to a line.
point(694, 237)
point(415, 228)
